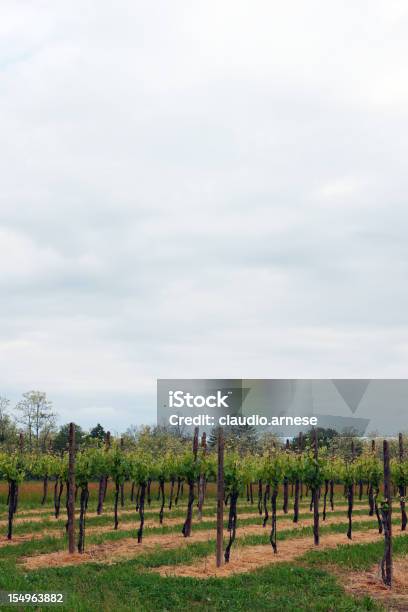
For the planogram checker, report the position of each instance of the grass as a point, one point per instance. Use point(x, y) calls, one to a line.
point(358, 556)
point(51, 544)
point(121, 585)
point(129, 586)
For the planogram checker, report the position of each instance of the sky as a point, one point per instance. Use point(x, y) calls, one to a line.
point(199, 190)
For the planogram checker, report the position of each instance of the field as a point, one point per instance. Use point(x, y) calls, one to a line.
point(169, 572)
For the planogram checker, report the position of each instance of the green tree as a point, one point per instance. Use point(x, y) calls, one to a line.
point(325, 437)
point(158, 440)
point(8, 430)
point(36, 416)
point(60, 441)
point(242, 438)
point(268, 441)
point(341, 445)
point(98, 432)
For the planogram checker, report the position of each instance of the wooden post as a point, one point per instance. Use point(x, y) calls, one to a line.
point(106, 478)
point(298, 486)
point(103, 480)
point(71, 490)
point(186, 531)
point(370, 487)
point(195, 443)
point(350, 496)
point(13, 494)
point(286, 485)
point(220, 498)
point(315, 495)
point(122, 486)
point(386, 512)
point(401, 487)
point(300, 449)
point(202, 483)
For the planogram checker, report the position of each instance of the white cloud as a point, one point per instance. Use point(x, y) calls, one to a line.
point(199, 189)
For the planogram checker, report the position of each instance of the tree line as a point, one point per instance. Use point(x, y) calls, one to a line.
point(35, 417)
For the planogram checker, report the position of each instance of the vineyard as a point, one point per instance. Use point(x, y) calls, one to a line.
point(205, 514)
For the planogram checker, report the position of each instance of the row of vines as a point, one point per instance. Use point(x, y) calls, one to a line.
point(262, 479)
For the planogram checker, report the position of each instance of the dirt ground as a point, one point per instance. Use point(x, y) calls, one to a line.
point(248, 558)
point(284, 520)
point(370, 583)
point(110, 552)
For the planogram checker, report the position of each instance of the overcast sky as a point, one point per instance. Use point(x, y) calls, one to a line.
point(200, 189)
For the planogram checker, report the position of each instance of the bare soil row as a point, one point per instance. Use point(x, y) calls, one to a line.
point(113, 551)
